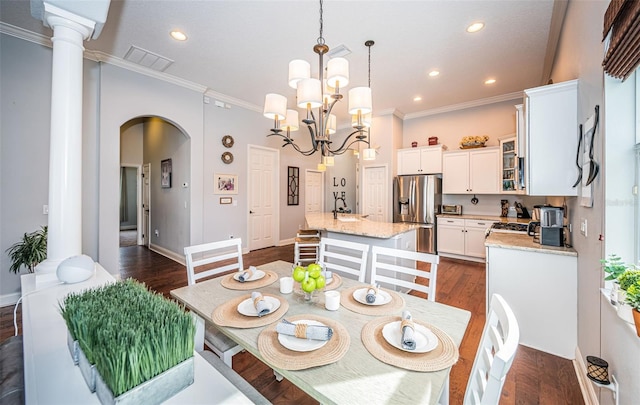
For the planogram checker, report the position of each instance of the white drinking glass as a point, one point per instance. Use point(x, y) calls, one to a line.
point(286, 285)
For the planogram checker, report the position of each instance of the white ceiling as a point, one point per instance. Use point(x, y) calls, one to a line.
point(241, 49)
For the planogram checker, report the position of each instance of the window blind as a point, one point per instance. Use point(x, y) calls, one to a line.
point(622, 19)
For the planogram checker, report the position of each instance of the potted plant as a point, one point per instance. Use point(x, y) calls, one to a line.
point(137, 344)
point(613, 267)
point(629, 277)
point(633, 299)
point(28, 252)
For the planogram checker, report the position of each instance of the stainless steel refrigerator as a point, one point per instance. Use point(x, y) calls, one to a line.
point(417, 199)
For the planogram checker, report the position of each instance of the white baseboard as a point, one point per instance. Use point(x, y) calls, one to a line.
point(9, 299)
point(168, 254)
point(461, 257)
point(586, 387)
point(285, 242)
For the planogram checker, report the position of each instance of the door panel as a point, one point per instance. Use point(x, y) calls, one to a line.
point(375, 192)
point(263, 183)
point(314, 191)
point(146, 199)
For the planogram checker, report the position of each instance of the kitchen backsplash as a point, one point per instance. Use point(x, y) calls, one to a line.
point(490, 204)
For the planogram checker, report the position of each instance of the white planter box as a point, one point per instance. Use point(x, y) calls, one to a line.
point(153, 391)
point(87, 370)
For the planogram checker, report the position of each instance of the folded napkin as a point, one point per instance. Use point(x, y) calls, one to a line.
point(304, 331)
point(262, 307)
point(407, 328)
point(245, 275)
point(371, 294)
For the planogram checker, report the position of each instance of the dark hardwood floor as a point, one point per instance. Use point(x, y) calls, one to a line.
point(535, 377)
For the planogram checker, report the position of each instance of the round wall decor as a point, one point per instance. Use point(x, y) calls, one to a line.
point(227, 141)
point(227, 157)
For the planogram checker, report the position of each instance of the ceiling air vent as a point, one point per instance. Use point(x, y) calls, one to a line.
point(339, 51)
point(147, 59)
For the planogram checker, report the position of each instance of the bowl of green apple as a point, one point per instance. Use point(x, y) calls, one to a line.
point(308, 280)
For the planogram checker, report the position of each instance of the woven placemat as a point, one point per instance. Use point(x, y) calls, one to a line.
point(393, 307)
point(281, 357)
point(336, 281)
point(229, 282)
point(227, 314)
point(443, 356)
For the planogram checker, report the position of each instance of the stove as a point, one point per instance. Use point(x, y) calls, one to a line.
point(509, 227)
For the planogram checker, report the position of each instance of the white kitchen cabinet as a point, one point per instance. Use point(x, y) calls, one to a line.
point(425, 160)
point(541, 288)
point(471, 172)
point(509, 170)
point(460, 237)
point(551, 125)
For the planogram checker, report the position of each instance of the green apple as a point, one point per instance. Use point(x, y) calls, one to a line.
point(314, 270)
point(299, 273)
point(308, 285)
point(321, 282)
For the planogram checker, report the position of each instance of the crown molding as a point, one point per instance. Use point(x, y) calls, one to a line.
point(26, 35)
point(469, 104)
point(112, 60)
point(232, 100)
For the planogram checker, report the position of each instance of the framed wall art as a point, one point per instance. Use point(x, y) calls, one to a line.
point(165, 170)
point(225, 183)
point(293, 189)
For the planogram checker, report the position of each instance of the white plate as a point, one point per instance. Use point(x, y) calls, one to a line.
point(302, 345)
point(257, 275)
point(247, 308)
point(382, 297)
point(425, 339)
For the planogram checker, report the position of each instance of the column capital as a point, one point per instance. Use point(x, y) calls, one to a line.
point(86, 17)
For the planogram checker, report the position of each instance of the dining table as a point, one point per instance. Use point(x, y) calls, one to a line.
point(350, 371)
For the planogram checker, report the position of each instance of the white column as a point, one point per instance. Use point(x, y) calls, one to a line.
point(65, 156)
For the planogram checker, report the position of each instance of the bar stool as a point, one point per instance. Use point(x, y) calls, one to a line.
point(306, 246)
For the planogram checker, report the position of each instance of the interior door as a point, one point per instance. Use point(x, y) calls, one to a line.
point(375, 191)
point(263, 197)
point(146, 203)
point(313, 191)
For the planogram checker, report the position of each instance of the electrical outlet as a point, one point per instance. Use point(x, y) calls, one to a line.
point(157, 233)
point(45, 209)
point(583, 227)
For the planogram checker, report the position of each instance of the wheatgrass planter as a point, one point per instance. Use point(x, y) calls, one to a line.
point(132, 346)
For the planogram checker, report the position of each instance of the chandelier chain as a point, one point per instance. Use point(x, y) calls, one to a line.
point(321, 38)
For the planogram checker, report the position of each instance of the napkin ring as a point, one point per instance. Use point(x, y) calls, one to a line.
point(247, 273)
point(257, 299)
point(301, 330)
point(406, 322)
point(373, 290)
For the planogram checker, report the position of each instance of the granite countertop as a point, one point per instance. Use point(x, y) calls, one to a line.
point(487, 217)
point(524, 242)
point(356, 225)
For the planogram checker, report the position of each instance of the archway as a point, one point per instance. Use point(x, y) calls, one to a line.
point(164, 148)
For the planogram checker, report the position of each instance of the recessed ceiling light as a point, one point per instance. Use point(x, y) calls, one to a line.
point(417, 98)
point(489, 81)
point(434, 73)
point(178, 36)
point(475, 27)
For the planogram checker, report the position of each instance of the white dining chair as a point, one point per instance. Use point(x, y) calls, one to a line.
point(306, 246)
point(498, 346)
point(388, 266)
point(224, 256)
point(344, 257)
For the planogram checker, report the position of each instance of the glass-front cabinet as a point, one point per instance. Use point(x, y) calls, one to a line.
point(509, 165)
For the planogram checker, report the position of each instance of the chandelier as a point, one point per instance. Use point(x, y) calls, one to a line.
point(322, 94)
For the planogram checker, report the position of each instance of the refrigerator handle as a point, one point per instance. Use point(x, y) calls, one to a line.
point(412, 198)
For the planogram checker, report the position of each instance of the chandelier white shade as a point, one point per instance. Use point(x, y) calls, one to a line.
point(309, 93)
point(298, 69)
point(360, 100)
point(275, 106)
point(337, 72)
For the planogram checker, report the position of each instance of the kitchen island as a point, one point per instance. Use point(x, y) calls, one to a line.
point(355, 228)
point(540, 284)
